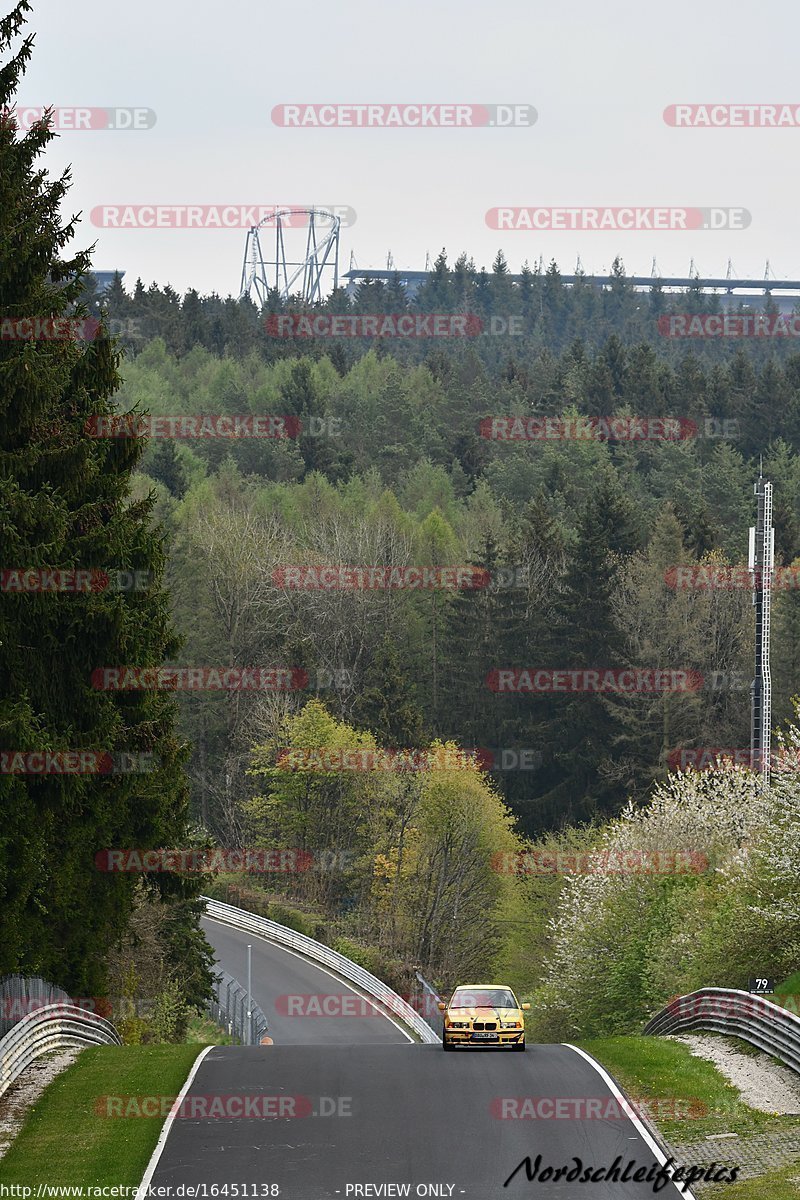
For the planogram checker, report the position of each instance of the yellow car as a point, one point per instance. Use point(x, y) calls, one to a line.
point(483, 1014)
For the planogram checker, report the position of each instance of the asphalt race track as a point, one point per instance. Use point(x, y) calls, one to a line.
point(347, 1106)
point(278, 972)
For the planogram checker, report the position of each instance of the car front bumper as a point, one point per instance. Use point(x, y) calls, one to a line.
point(468, 1037)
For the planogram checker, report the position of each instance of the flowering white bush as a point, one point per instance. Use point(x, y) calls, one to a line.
point(774, 866)
point(624, 940)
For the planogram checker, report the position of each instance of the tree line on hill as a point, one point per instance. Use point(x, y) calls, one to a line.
point(576, 540)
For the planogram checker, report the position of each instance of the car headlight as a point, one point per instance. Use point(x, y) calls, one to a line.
point(510, 1024)
point(458, 1024)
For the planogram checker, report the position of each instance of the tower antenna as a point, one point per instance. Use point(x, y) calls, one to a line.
point(761, 563)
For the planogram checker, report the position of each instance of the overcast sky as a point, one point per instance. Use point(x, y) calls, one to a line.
point(598, 74)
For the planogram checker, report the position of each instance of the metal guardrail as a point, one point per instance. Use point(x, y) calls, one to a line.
point(228, 1008)
point(429, 1001)
point(54, 1027)
point(739, 1014)
point(387, 1000)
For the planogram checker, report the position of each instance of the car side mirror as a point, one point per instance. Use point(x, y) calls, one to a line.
point(441, 1007)
point(526, 1006)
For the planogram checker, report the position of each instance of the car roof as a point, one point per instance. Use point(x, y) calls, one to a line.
point(463, 986)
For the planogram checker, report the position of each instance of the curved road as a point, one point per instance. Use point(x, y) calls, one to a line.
point(278, 974)
point(349, 1107)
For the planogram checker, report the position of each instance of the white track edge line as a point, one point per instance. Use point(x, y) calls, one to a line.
point(635, 1121)
point(339, 979)
point(167, 1126)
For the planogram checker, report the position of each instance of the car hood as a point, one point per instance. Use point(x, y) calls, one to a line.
point(486, 1014)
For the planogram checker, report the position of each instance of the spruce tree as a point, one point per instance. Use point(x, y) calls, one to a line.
point(483, 632)
point(386, 703)
point(65, 503)
point(786, 642)
point(579, 778)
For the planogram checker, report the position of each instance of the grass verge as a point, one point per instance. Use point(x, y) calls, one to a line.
point(205, 1031)
point(777, 1185)
point(686, 1097)
point(64, 1141)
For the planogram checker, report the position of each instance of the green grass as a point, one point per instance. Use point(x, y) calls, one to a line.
point(64, 1141)
point(203, 1030)
point(786, 994)
point(790, 986)
point(665, 1073)
point(776, 1185)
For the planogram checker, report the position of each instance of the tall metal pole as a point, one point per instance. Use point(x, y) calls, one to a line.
point(249, 994)
point(761, 562)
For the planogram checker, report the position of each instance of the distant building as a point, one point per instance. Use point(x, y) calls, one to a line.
point(104, 279)
point(784, 294)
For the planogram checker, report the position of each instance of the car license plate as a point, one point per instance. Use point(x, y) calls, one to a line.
point(489, 1037)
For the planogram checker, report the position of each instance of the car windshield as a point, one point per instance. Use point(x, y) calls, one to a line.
point(483, 998)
